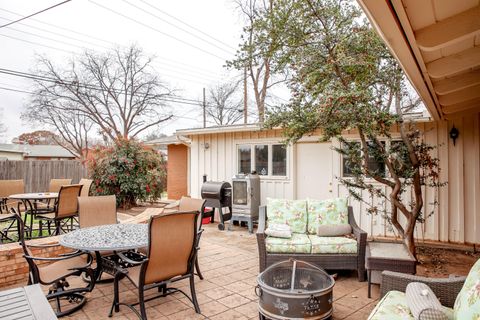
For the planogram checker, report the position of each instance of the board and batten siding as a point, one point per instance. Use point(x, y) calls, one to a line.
point(219, 161)
point(456, 219)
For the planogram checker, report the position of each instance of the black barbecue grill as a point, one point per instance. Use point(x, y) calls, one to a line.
point(218, 195)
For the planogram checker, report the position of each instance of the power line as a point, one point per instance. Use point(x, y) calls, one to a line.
point(174, 25)
point(177, 63)
point(155, 29)
point(173, 98)
point(34, 14)
point(186, 24)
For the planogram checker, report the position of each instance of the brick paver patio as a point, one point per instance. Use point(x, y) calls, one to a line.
point(229, 263)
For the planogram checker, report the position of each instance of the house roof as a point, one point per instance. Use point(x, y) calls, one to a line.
point(164, 141)
point(219, 129)
point(437, 43)
point(53, 151)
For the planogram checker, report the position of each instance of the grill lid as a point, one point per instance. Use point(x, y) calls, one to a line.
point(215, 189)
point(295, 276)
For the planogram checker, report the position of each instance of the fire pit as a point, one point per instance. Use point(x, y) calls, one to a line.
point(294, 289)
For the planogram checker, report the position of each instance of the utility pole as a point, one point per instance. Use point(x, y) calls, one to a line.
point(245, 104)
point(204, 110)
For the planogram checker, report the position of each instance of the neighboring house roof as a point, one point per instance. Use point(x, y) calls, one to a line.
point(52, 151)
point(13, 148)
point(436, 43)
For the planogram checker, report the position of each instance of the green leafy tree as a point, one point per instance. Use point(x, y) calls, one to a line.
point(130, 171)
point(344, 78)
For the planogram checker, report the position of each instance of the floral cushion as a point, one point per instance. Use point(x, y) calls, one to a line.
point(393, 306)
point(291, 212)
point(467, 305)
point(331, 211)
point(298, 243)
point(332, 244)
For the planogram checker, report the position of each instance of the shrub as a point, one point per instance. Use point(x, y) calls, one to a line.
point(129, 171)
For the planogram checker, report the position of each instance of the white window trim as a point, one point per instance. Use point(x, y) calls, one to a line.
point(269, 143)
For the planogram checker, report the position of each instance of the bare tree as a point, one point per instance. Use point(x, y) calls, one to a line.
point(71, 127)
point(254, 58)
point(118, 91)
point(223, 106)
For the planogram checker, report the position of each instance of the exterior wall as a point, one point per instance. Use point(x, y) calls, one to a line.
point(177, 167)
point(456, 218)
point(219, 161)
point(11, 155)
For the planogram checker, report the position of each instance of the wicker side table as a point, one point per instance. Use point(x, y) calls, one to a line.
point(382, 256)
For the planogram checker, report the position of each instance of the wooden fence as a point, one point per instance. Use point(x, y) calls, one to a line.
point(37, 173)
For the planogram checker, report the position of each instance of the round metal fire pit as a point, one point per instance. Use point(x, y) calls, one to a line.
point(294, 289)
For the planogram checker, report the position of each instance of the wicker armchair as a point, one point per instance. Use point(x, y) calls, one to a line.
point(327, 261)
point(446, 289)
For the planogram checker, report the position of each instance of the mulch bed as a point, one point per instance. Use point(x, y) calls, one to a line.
point(440, 263)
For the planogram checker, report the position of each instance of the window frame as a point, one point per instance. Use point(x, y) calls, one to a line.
point(387, 146)
point(269, 145)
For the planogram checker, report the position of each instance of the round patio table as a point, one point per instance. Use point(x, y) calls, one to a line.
point(30, 201)
point(109, 237)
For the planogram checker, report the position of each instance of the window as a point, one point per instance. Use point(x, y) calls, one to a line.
point(279, 160)
point(261, 159)
point(244, 159)
point(265, 159)
point(350, 165)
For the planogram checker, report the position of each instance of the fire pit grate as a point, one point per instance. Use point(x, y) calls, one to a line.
point(294, 289)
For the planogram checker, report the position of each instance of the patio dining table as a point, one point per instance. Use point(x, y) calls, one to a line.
point(30, 202)
point(107, 238)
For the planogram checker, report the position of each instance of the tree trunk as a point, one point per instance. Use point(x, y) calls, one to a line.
point(408, 238)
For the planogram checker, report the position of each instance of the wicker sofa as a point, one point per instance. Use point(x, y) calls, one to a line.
point(459, 296)
point(354, 260)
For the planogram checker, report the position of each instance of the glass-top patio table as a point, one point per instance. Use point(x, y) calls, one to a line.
point(30, 202)
point(107, 238)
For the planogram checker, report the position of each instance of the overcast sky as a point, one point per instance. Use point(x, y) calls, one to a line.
point(187, 59)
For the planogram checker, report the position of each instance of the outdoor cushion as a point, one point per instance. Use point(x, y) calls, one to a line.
point(291, 212)
point(279, 230)
point(333, 230)
point(298, 243)
point(423, 303)
point(394, 306)
point(330, 211)
point(332, 244)
point(467, 305)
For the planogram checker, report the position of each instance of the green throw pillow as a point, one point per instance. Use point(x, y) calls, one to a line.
point(467, 305)
point(326, 212)
point(290, 212)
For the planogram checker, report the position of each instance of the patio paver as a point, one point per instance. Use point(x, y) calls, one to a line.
point(229, 263)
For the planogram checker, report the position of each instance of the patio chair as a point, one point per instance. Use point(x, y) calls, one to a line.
point(96, 211)
point(56, 184)
point(191, 204)
point(65, 210)
point(87, 185)
point(459, 293)
point(7, 188)
point(170, 257)
point(55, 274)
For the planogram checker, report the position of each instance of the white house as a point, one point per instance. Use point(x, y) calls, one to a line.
point(309, 169)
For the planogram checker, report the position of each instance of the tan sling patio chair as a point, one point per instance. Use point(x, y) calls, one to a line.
point(87, 185)
point(55, 274)
point(66, 209)
point(7, 188)
point(96, 211)
point(171, 257)
point(56, 184)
